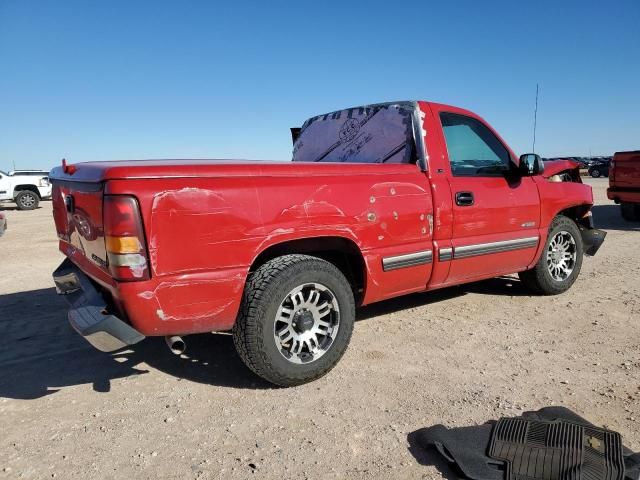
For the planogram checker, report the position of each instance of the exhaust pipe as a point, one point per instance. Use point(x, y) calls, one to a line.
point(176, 344)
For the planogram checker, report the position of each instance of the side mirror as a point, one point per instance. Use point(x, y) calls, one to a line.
point(530, 164)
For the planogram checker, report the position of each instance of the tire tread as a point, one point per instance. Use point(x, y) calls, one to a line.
point(248, 329)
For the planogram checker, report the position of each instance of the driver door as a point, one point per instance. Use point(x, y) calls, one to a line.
point(495, 212)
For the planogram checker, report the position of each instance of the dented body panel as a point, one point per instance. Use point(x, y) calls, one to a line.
point(207, 224)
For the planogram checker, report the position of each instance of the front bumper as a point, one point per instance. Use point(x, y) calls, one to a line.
point(45, 192)
point(624, 195)
point(592, 238)
point(88, 315)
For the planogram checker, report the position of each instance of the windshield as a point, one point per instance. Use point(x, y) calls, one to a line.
point(371, 134)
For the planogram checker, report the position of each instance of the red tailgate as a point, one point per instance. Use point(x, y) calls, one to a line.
point(77, 211)
point(626, 170)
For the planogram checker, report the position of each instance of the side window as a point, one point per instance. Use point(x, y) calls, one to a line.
point(473, 149)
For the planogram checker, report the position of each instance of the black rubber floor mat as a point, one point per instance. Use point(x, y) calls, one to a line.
point(557, 450)
point(553, 443)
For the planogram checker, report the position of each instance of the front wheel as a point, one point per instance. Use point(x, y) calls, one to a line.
point(560, 261)
point(295, 320)
point(27, 200)
point(595, 173)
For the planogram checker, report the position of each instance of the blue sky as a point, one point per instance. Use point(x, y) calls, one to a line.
point(202, 79)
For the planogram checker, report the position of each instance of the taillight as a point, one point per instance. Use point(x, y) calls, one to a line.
point(124, 238)
point(612, 172)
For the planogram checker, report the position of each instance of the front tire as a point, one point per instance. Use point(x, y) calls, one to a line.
point(560, 262)
point(595, 173)
point(27, 200)
point(295, 321)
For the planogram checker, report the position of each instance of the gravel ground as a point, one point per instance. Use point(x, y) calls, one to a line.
point(460, 356)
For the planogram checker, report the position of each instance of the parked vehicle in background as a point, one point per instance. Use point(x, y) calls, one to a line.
point(624, 183)
point(25, 189)
point(586, 162)
point(30, 173)
point(379, 201)
point(581, 162)
point(3, 223)
point(599, 168)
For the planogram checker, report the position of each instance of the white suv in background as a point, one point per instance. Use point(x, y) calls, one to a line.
point(25, 187)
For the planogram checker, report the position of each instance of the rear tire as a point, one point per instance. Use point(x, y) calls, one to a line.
point(560, 260)
point(295, 321)
point(27, 200)
point(630, 211)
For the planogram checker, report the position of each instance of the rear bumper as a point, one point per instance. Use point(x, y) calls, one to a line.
point(87, 312)
point(619, 195)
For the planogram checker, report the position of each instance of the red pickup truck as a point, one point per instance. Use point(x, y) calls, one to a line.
point(379, 201)
point(624, 183)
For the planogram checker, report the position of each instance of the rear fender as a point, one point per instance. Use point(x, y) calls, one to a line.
point(343, 252)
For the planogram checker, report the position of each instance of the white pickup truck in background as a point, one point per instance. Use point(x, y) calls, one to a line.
point(25, 187)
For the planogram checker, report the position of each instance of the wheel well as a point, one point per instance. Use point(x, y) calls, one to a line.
point(341, 252)
point(21, 188)
point(577, 214)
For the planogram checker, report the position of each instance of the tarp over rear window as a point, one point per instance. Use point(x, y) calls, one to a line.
point(380, 133)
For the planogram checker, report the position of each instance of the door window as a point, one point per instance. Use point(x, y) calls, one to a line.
point(473, 149)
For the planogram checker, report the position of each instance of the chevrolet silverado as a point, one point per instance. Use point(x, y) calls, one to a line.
point(378, 201)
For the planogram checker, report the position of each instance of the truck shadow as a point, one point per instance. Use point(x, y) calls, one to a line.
point(42, 354)
point(499, 286)
point(608, 217)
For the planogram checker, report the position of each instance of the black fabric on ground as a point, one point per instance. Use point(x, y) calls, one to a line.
point(464, 447)
point(469, 448)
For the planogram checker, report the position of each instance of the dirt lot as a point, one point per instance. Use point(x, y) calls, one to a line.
point(461, 356)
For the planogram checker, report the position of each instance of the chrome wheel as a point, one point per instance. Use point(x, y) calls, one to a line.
point(561, 255)
point(307, 323)
point(28, 200)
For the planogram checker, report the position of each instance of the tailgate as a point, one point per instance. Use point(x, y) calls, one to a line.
point(626, 171)
point(77, 211)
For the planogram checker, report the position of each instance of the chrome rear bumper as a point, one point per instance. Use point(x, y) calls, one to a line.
point(88, 315)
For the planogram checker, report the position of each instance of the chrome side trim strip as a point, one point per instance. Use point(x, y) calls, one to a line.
point(446, 254)
point(494, 247)
point(407, 260)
